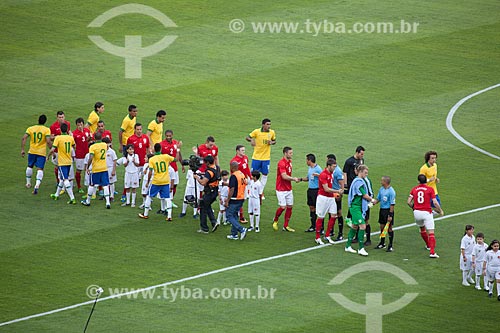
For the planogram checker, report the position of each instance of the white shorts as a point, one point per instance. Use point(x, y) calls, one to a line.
point(112, 179)
point(176, 180)
point(325, 205)
point(254, 206)
point(131, 180)
point(285, 198)
point(424, 219)
point(79, 164)
point(493, 274)
point(144, 188)
point(86, 182)
point(221, 206)
point(467, 265)
point(479, 268)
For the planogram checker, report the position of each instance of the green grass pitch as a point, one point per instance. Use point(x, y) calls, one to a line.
point(324, 94)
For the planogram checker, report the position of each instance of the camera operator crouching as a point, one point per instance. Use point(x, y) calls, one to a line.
point(210, 181)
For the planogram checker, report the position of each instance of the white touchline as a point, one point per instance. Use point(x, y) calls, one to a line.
point(194, 277)
point(449, 120)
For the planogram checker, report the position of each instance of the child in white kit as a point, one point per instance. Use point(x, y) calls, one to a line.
point(478, 256)
point(255, 189)
point(223, 193)
point(131, 179)
point(189, 191)
point(491, 267)
point(466, 248)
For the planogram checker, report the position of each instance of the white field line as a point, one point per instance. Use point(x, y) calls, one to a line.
point(253, 262)
point(449, 121)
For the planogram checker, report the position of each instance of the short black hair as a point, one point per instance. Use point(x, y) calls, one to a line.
point(106, 140)
point(161, 113)
point(157, 147)
point(239, 146)
point(210, 139)
point(137, 125)
point(64, 127)
point(359, 149)
point(60, 113)
point(79, 120)
point(286, 149)
point(422, 179)
point(131, 107)
point(266, 120)
point(331, 161)
point(169, 131)
point(331, 156)
point(224, 173)
point(97, 136)
point(42, 119)
point(208, 159)
point(256, 174)
point(311, 157)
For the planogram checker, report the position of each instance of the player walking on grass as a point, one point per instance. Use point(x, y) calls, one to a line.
point(99, 176)
point(55, 130)
point(478, 257)
point(64, 144)
point(82, 138)
point(159, 179)
point(284, 189)
point(338, 184)
point(387, 198)
point(173, 148)
point(491, 267)
point(155, 129)
point(325, 202)
point(420, 200)
point(262, 139)
point(39, 140)
point(235, 200)
point(358, 201)
point(466, 248)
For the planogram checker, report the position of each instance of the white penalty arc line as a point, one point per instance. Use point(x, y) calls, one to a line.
point(449, 121)
point(225, 269)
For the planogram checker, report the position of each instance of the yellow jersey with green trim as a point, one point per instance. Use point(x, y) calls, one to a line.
point(98, 151)
point(156, 130)
point(64, 143)
point(92, 120)
point(159, 164)
point(38, 139)
point(128, 128)
point(262, 148)
point(429, 172)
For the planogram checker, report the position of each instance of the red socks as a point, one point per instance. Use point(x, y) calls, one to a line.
point(432, 243)
point(425, 237)
point(329, 228)
point(288, 214)
point(279, 211)
point(319, 224)
point(78, 177)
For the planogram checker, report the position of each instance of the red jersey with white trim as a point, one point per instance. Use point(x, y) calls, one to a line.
point(284, 166)
point(170, 148)
point(325, 177)
point(204, 151)
point(82, 139)
point(105, 134)
point(141, 145)
point(242, 165)
point(55, 128)
point(422, 197)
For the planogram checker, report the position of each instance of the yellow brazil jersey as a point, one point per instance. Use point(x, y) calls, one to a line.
point(128, 128)
point(159, 164)
point(156, 130)
point(64, 143)
point(38, 139)
point(429, 172)
point(99, 150)
point(92, 121)
point(262, 149)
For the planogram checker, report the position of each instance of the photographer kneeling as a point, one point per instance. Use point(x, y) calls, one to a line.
point(210, 181)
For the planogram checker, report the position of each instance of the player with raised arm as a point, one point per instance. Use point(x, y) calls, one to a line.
point(419, 200)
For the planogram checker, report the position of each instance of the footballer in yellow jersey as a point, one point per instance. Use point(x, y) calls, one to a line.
point(64, 144)
point(127, 126)
point(93, 118)
point(39, 140)
point(155, 128)
point(430, 170)
point(261, 140)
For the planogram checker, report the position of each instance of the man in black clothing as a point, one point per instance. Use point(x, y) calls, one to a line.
point(210, 182)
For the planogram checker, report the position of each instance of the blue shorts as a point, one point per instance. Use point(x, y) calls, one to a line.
point(438, 200)
point(99, 178)
point(164, 191)
point(64, 171)
point(261, 166)
point(36, 160)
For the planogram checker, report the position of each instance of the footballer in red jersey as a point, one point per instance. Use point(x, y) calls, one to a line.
point(325, 202)
point(208, 149)
point(419, 200)
point(141, 144)
point(82, 138)
point(55, 130)
point(284, 189)
point(104, 132)
point(172, 147)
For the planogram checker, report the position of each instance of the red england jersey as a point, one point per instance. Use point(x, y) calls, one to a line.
point(170, 148)
point(284, 166)
point(55, 128)
point(82, 139)
point(422, 197)
point(325, 177)
point(105, 134)
point(204, 151)
point(242, 165)
point(141, 145)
